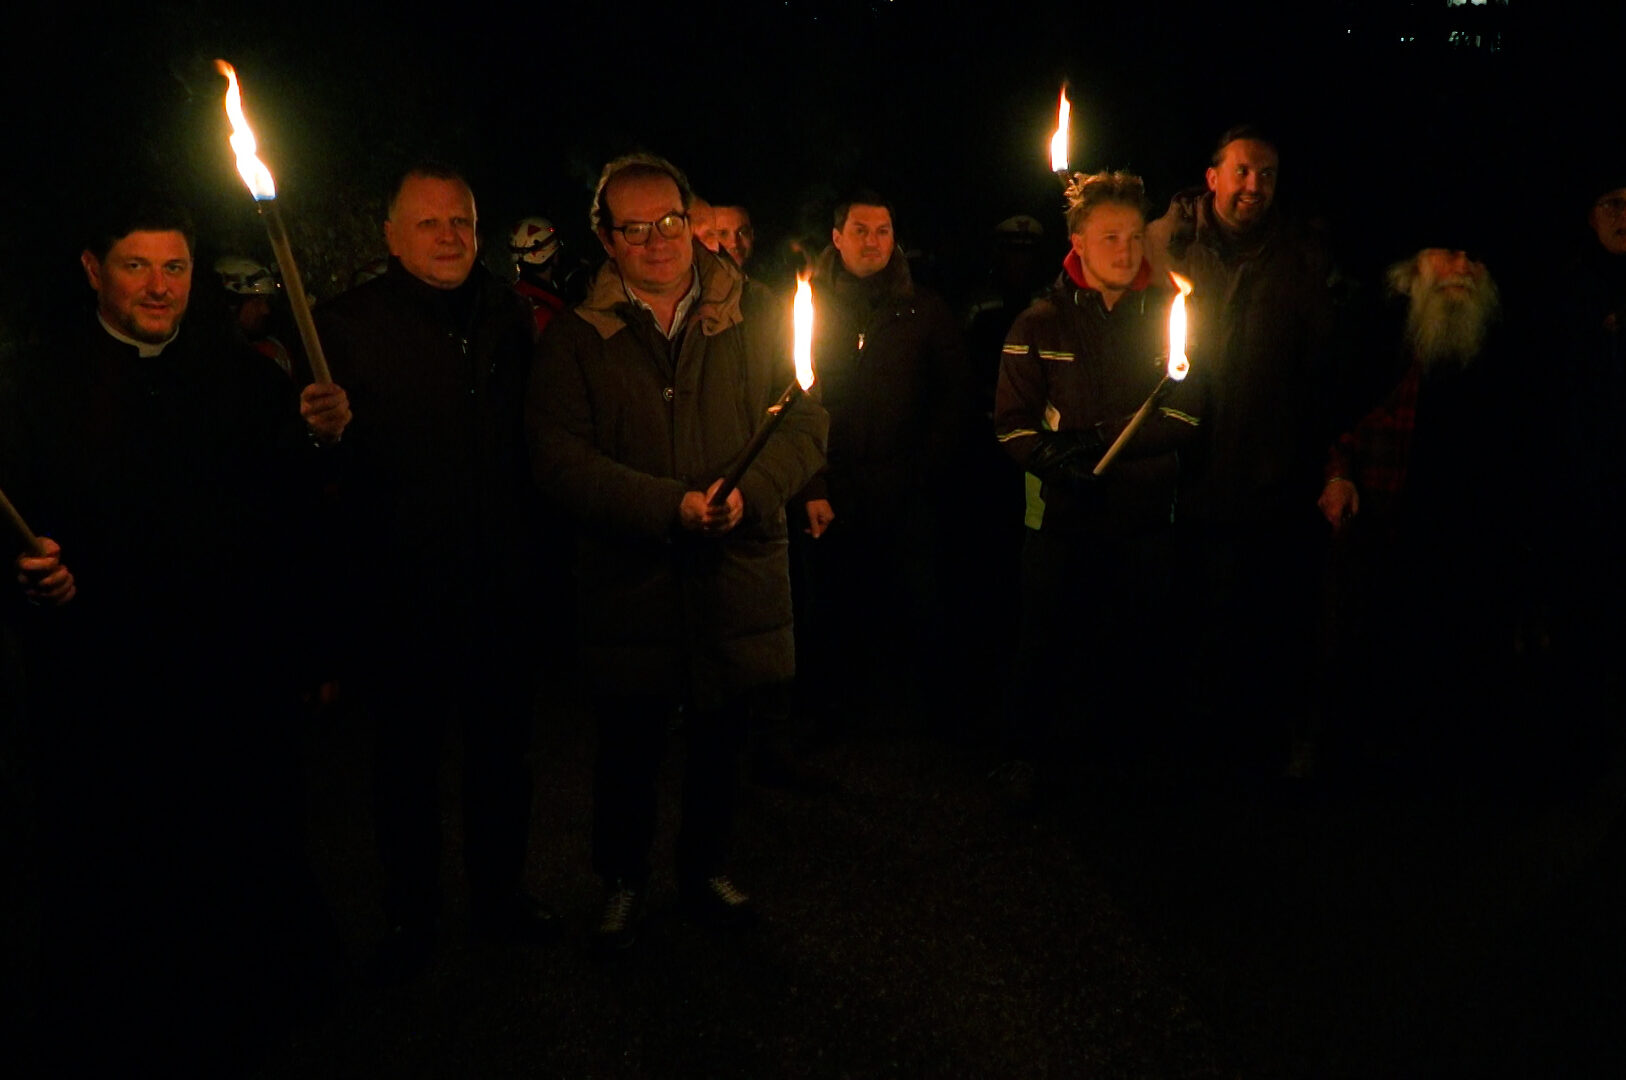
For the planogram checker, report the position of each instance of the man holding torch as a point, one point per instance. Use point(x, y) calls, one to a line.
point(1075, 366)
point(643, 398)
point(448, 556)
point(173, 484)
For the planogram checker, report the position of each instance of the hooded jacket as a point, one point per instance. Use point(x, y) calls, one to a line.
point(1071, 363)
point(622, 423)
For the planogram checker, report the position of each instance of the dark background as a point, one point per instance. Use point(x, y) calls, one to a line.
point(1387, 112)
point(915, 931)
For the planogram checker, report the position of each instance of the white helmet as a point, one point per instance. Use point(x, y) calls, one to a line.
point(533, 241)
point(245, 277)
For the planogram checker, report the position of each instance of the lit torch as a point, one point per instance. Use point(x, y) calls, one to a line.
point(1058, 141)
point(802, 315)
point(1177, 369)
point(264, 189)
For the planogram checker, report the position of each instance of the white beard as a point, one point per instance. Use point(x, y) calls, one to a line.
point(1445, 327)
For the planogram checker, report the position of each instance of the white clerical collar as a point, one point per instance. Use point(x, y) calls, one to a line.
point(144, 349)
point(683, 306)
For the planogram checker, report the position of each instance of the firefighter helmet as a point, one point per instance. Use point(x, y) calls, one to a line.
point(245, 277)
point(533, 241)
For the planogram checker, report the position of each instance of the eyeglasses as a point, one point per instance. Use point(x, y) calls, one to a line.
point(1614, 204)
point(637, 232)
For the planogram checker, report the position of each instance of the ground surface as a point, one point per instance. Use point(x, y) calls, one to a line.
point(914, 926)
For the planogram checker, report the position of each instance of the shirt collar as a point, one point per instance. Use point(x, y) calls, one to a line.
point(144, 349)
point(683, 305)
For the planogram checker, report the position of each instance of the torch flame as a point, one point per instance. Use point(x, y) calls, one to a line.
point(1178, 364)
point(1058, 141)
point(802, 315)
point(253, 170)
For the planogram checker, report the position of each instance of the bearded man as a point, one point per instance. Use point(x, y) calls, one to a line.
point(1423, 495)
point(1452, 305)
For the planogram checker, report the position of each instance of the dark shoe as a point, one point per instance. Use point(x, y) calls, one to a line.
point(517, 919)
point(715, 902)
point(403, 954)
point(623, 910)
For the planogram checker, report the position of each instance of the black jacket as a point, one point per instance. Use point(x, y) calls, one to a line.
point(1261, 318)
point(891, 371)
point(437, 482)
point(181, 488)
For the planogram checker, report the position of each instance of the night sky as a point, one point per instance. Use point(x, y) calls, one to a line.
point(784, 105)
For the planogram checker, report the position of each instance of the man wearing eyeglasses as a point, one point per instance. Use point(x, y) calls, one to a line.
point(641, 399)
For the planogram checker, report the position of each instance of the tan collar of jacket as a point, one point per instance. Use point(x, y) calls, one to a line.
point(718, 308)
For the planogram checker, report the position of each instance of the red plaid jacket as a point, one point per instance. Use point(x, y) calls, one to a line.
point(1374, 454)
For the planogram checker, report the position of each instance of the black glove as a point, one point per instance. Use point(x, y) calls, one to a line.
point(1067, 458)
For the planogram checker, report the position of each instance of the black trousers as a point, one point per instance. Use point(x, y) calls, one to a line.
point(429, 667)
point(871, 619)
point(1088, 655)
point(633, 734)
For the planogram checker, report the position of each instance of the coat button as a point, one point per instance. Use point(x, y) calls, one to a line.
point(668, 394)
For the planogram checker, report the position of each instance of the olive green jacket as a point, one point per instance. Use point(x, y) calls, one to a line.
point(622, 422)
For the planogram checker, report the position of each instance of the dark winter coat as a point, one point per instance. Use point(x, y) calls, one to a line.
point(623, 422)
point(891, 370)
point(1071, 363)
point(1261, 315)
point(181, 488)
point(437, 483)
point(1588, 442)
point(150, 472)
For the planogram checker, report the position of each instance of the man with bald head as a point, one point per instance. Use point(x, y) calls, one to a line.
point(703, 222)
point(445, 529)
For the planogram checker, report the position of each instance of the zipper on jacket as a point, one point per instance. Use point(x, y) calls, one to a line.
point(463, 347)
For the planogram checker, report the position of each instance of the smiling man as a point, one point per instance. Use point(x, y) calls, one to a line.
point(437, 353)
point(735, 233)
point(1243, 182)
point(1261, 319)
point(142, 283)
point(171, 474)
point(643, 397)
